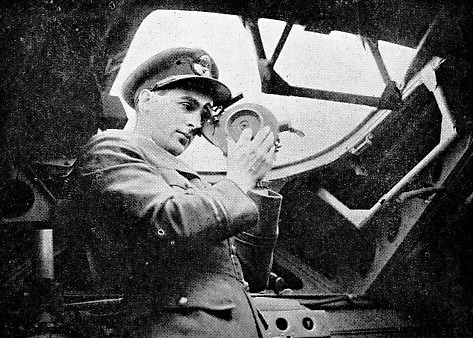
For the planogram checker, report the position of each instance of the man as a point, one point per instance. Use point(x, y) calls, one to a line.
point(153, 231)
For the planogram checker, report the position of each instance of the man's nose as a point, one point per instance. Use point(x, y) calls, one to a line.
point(195, 120)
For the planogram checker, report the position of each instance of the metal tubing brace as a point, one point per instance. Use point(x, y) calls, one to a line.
point(448, 135)
point(379, 60)
point(360, 217)
point(253, 27)
point(281, 42)
point(355, 216)
point(335, 96)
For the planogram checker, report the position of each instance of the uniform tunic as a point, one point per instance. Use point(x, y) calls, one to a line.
point(171, 243)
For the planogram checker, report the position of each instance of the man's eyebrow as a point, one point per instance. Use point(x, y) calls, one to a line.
point(190, 99)
point(194, 101)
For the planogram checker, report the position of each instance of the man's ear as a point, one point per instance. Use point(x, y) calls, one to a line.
point(144, 97)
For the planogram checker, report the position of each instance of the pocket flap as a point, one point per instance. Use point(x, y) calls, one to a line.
point(212, 293)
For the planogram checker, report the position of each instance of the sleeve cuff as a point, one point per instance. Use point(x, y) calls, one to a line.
point(241, 212)
point(269, 208)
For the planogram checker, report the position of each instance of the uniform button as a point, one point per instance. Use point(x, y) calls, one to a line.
point(183, 301)
point(161, 232)
point(172, 242)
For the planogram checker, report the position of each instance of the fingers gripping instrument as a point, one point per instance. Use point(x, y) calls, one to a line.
point(235, 119)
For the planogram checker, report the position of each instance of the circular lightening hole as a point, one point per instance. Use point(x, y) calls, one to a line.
point(282, 324)
point(308, 323)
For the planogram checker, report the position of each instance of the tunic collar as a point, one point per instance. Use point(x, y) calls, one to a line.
point(157, 154)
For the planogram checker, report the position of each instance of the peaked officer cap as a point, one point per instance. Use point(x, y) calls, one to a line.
point(190, 67)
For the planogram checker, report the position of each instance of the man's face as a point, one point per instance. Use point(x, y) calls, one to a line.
point(174, 116)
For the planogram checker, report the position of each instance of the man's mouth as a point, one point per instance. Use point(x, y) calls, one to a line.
point(184, 138)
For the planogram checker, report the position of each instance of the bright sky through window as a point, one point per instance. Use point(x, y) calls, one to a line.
point(336, 62)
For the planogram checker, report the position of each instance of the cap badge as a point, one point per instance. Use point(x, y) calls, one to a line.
point(202, 68)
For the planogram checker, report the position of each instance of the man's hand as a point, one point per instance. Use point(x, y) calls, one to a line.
point(249, 160)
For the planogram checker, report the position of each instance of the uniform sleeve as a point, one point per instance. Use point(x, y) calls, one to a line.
point(129, 190)
point(255, 246)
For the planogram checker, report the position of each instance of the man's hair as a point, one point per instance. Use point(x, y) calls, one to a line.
point(159, 91)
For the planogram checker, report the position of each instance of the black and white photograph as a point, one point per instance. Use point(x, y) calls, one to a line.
point(240, 169)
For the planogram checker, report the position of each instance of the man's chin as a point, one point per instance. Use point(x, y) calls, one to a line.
point(178, 149)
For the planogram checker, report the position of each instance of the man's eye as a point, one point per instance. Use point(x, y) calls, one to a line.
point(187, 106)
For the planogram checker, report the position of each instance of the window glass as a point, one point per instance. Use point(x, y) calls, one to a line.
point(335, 62)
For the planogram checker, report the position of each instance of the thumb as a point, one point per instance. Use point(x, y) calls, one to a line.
point(230, 144)
point(246, 135)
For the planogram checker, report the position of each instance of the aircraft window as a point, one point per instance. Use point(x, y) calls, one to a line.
point(336, 62)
